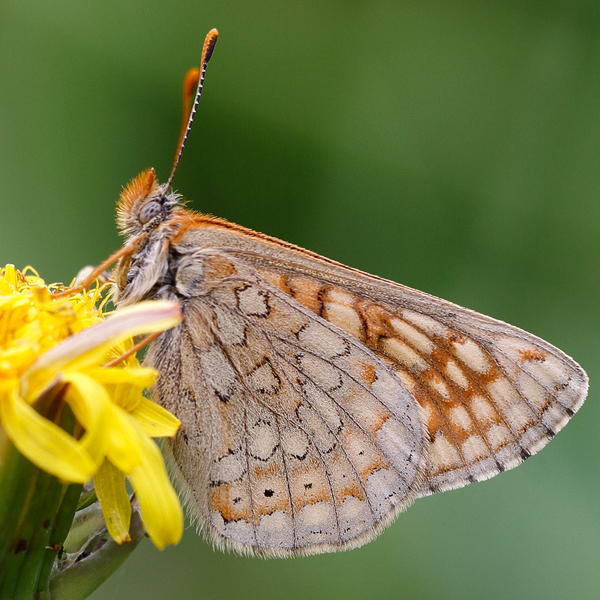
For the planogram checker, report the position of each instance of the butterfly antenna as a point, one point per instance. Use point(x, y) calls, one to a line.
point(194, 78)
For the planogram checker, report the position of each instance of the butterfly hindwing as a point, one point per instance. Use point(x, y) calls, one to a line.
point(304, 440)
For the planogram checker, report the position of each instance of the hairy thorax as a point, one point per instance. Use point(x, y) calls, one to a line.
point(164, 267)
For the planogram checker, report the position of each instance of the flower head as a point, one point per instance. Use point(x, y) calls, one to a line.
point(52, 357)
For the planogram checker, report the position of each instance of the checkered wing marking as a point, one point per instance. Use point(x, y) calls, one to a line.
point(296, 437)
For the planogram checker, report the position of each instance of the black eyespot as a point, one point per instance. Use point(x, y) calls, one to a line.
point(149, 211)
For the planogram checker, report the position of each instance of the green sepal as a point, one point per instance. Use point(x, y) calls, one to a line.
point(87, 499)
point(84, 571)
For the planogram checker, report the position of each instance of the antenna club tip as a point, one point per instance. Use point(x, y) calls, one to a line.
point(209, 45)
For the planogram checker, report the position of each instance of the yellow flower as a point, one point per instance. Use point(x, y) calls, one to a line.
point(52, 353)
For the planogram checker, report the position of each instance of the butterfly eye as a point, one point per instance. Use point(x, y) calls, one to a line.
point(149, 211)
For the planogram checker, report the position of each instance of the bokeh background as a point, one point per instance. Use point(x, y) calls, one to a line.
point(450, 145)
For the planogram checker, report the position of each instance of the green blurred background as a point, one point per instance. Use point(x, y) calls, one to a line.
point(452, 146)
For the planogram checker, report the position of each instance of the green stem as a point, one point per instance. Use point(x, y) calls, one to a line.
point(29, 501)
point(17, 478)
point(62, 523)
point(42, 519)
point(22, 532)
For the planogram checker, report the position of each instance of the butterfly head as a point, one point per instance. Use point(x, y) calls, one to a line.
point(144, 204)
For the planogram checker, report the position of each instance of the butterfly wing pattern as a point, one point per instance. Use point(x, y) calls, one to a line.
point(318, 401)
point(302, 437)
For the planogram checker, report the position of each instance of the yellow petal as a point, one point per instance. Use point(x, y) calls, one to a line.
point(125, 396)
point(143, 377)
point(110, 488)
point(91, 406)
point(124, 449)
point(10, 275)
point(13, 302)
point(44, 443)
point(159, 504)
point(17, 357)
point(91, 345)
point(125, 385)
point(110, 431)
point(154, 420)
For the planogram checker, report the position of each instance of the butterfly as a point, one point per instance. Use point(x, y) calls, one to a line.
point(317, 401)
